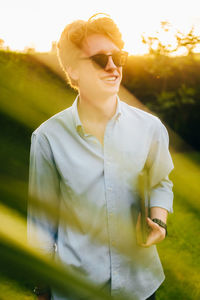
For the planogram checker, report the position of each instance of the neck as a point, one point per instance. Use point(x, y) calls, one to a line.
point(97, 110)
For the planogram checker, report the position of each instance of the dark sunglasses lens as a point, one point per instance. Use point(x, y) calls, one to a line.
point(100, 59)
point(119, 59)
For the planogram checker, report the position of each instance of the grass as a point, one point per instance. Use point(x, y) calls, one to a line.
point(180, 251)
point(10, 289)
point(29, 94)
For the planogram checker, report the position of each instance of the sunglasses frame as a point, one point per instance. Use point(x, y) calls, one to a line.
point(100, 59)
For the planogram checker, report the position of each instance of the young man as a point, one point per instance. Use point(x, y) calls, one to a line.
point(91, 155)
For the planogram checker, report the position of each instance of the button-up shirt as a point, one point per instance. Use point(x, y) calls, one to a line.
point(97, 185)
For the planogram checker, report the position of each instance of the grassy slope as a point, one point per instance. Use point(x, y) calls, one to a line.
point(29, 94)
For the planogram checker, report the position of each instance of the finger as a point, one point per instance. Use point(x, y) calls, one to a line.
point(155, 237)
point(150, 241)
point(152, 224)
point(155, 228)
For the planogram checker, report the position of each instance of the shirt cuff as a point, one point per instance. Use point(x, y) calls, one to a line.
point(161, 198)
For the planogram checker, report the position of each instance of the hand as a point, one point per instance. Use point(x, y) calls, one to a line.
point(156, 233)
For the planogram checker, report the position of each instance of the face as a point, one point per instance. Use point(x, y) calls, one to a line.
point(92, 79)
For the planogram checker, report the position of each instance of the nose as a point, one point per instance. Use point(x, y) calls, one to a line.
point(110, 64)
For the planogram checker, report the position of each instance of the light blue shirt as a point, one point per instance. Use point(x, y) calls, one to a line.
point(71, 169)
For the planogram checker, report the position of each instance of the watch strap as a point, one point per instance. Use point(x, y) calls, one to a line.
point(160, 223)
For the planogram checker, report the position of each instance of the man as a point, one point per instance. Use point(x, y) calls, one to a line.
point(90, 155)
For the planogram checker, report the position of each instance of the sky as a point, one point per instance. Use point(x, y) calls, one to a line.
point(36, 23)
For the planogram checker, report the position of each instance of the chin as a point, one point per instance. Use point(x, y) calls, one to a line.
point(101, 90)
point(111, 90)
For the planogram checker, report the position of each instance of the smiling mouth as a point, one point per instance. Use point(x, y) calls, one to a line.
point(111, 79)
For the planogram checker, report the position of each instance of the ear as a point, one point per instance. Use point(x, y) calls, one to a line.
point(73, 73)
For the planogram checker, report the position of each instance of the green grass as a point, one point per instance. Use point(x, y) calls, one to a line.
point(180, 251)
point(29, 91)
point(29, 94)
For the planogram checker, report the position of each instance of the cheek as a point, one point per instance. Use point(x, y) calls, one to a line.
point(88, 79)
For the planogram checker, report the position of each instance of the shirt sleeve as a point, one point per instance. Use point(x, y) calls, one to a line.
point(43, 200)
point(159, 165)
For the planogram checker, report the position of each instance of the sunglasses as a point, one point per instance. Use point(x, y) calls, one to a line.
point(119, 58)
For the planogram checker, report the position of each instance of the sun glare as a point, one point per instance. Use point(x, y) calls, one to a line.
point(36, 24)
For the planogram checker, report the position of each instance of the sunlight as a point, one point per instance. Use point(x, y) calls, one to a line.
point(36, 24)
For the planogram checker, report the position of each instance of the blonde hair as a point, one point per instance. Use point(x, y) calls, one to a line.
point(71, 40)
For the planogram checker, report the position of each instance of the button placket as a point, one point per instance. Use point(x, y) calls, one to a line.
point(110, 199)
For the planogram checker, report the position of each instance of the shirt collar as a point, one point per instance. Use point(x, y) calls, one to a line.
point(77, 121)
point(75, 113)
point(118, 110)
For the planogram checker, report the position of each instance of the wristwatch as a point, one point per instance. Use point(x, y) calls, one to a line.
point(161, 224)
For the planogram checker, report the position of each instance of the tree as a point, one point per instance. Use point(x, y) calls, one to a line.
point(188, 40)
point(160, 47)
point(160, 43)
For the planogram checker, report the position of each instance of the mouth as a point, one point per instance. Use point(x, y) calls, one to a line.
point(111, 79)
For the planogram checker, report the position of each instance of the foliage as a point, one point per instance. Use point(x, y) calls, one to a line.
point(169, 86)
point(156, 45)
point(168, 40)
point(188, 40)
